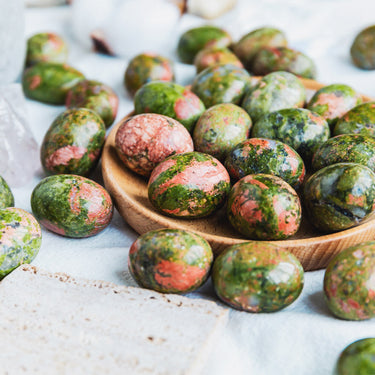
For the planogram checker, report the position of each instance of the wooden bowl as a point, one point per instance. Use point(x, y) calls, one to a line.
point(129, 192)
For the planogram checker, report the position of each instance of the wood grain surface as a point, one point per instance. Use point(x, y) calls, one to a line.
point(129, 192)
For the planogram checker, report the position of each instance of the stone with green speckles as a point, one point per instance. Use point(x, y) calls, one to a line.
point(213, 56)
point(339, 196)
point(196, 39)
point(46, 47)
point(257, 277)
point(259, 155)
point(72, 206)
point(264, 207)
point(49, 82)
point(170, 260)
point(221, 84)
point(145, 68)
point(6, 195)
point(333, 101)
point(248, 46)
point(145, 140)
point(188, 185)
point(169, 99)
point(96, 96)
point(362, 50)
point(357, 358)
point(275, 91)
point(348, 283)
point(299, 128)
point(346, 148)
point(73, 142)
point(272, 59)
point(220, 128)
point(20, 239)
point(359, 120)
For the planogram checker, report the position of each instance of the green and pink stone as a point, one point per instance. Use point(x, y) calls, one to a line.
point(220, 128)
point(349, 282)
point(264, 207)
point(188, 185)
point(257, 277)
point(71, 205)
point(169, 99)
point(20, 239)
point(143, 141)
point(73, 143)
point(170, 260)
point(96, 96)
point(145, 68)
point(260, 155)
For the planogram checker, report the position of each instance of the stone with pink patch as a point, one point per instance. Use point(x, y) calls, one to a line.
point(339, 196)
point(188, 185)
point(143, 141)
point(264, 207)
point(169, 99)
point(71, 205)
point(20, 239)
point(73, 142)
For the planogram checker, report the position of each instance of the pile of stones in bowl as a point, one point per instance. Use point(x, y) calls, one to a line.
point(232, 139)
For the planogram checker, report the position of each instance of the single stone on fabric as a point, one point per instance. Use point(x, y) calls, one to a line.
point(20, 239)
point(357, 358)
point(170, 260)
point(349, 283)
point(72, 206)
point(257, 277)
point(18, 149)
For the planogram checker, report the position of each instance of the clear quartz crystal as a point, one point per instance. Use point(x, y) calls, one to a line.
point(12, 40)
point(18, 149)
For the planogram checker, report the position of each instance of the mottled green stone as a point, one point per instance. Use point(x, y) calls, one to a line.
point(333, 101)
point(213, 56)
point(196, 39)
point(250, 44)
point(275, 91)
point(362, 50)
point(339, 196)
point(73, 142)
point(49, 82)
point(96, 96)
point(46, 47)
point(189, 185)
point(145, 68)
point(72, 206)
point(220, 128)
point(170, 260)
point(357, 358)
point(257, 277)
point(221, 84)
point(359, 120)
point(6, 195)
point(273, 59)
point(348, 283)
point(169, 99)
point(299, 128)
point(264, 207)
point(20, 239)
point(346, 148)
point(259, 155)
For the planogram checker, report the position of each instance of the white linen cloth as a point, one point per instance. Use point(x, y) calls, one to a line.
point(304, 338)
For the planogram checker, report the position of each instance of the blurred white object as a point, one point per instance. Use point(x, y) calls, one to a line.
point(209, 8)
point(43, 3)
point(18, 149)
point(127, 27)
point(12, 41)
